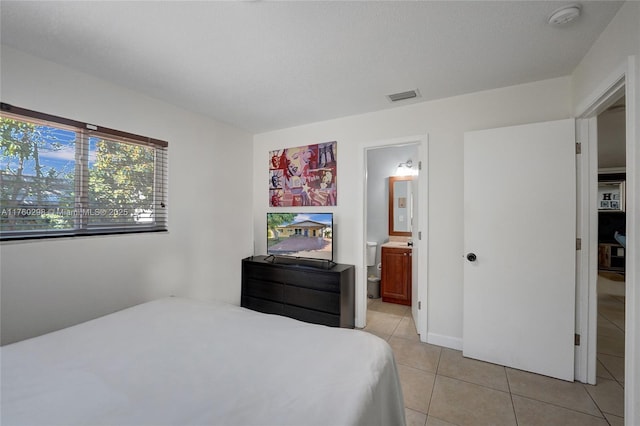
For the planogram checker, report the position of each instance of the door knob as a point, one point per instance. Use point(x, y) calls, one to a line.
point(471, 257)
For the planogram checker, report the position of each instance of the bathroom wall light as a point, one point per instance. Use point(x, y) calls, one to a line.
point(406, 169)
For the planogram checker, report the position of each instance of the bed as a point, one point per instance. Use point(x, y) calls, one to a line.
point(176, 361)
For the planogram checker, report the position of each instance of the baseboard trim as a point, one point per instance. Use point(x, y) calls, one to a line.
point(446, 341)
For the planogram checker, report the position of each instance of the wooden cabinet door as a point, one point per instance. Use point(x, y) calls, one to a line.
point(396, 275)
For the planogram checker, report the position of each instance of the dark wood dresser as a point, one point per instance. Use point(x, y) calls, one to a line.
point(298, 289)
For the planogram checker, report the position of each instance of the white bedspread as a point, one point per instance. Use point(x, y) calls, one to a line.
point(181, 362)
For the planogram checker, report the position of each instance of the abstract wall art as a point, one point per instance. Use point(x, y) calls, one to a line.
point(303, 176)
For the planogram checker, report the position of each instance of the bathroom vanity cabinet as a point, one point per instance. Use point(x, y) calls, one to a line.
point(395, 286)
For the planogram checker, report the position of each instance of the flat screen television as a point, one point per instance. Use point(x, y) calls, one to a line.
point(300, 235)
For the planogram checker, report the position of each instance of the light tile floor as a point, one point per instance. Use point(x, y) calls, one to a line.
point(441, 387)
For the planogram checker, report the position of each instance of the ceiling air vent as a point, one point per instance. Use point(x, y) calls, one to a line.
point(403, 95)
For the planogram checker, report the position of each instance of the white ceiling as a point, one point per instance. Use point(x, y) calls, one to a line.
point(267, 65)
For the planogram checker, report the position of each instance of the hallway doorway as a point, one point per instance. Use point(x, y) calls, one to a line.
point(611, 291)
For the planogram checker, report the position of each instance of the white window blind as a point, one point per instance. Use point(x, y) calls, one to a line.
point(60, 177)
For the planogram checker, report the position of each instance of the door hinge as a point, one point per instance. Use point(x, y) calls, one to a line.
point(578, 148)
point(578, 243)
point(419, 165)
point(419, 235)
point(576, 339)
point(419, 305)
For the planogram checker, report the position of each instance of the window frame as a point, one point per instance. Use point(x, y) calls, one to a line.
point(85, 131)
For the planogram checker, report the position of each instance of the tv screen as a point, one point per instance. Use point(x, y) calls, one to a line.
point(305, 235)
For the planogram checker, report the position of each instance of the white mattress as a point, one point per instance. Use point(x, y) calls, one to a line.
point(181, 362)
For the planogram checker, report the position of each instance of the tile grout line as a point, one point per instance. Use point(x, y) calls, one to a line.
point(616, 326)
point(569, 409)
point(470, 383)
point(595, 403)
point(435, 379)
point(603, 316)
point(395, 329)
point(397, 325)
point(620, 302)
point(513, 404)
point(530, 398)
point(609, 371)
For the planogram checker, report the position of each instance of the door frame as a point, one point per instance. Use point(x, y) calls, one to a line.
point(622, 81)
point(422, 141)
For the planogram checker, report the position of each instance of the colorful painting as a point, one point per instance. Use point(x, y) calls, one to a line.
point(303, 176)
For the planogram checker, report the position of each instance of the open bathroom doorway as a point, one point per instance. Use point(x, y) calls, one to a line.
point(397, 224)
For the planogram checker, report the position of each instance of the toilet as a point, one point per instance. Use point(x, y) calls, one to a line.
point(373, 282)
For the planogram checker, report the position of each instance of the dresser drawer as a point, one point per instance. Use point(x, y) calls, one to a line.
point(262, 272)
point(313, 299)
point(263, 289)
point(309, 315)
point(291, 275)
point(313, 280)
point(261, 305)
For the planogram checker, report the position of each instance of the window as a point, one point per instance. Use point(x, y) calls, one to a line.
point(60, 177)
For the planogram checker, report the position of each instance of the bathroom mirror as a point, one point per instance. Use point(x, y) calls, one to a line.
point(400, 205)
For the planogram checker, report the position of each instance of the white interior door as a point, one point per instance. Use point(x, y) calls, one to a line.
point(520, 224)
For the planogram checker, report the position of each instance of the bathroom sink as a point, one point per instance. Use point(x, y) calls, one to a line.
point(402, 244)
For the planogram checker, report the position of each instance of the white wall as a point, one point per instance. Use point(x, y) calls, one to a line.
point(620, 39)
point(47, 285)
point(445, 121)
point(612, 130)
